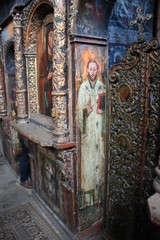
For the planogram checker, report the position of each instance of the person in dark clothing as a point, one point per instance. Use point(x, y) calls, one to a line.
point(25, 172)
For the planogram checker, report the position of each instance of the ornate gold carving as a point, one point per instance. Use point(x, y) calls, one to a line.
point(59, 93)
point(32, 23)
point(20, 88)
point(32, 83)
point(34, 28)
point(60, 112)
point(48, 19)
point(59, 86)
point(59, 57)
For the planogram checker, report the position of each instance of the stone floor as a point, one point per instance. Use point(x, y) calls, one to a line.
point(12, 194)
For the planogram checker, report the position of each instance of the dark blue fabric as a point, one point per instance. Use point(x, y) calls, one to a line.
point(24, 162)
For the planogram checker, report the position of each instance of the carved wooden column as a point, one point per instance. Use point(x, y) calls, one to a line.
point(59, 84)
point(3, 104)
point(20, 88)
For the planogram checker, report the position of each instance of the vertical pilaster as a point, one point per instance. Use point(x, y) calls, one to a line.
point(20, 88)
point(59, 84)
point(3, 103)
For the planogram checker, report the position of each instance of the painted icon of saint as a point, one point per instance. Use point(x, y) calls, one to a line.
point(46, 69)
point(91, 101)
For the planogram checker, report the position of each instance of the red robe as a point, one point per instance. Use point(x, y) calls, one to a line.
point(45, 86)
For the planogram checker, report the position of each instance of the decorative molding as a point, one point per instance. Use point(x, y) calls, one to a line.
point(59, 84)
point(31, 24)
point(32, 83)
point(20, 88)
point(134, 135)
point(3, 103)
point(7, 46)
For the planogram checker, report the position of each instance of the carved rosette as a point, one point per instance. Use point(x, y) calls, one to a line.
point(60, 92)
point(20, 88)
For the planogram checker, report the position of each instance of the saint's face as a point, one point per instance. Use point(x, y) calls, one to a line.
point(50, 39)
point(92, 70)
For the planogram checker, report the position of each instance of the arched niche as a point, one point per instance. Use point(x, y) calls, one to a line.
point(37, 15)
point(10, 79)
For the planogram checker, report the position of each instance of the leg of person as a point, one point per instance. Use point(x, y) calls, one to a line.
point(24, 166)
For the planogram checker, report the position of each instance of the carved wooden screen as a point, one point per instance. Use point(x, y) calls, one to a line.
point(133, 137)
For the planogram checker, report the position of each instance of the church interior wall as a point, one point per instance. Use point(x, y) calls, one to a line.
point(99, 31)
point(120, 32)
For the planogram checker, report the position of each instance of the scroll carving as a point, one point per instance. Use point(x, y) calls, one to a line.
point(153, 131)
point(32, 24)
point(134, 135)
point(59, 85)
point(32, 39)
point(59, 93)
point(30, 45)
point(20, 87)
point(32, 83)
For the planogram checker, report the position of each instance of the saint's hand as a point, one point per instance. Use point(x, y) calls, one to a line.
point(99, 111)
point(89, 107)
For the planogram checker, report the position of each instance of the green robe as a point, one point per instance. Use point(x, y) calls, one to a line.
point(92, 143)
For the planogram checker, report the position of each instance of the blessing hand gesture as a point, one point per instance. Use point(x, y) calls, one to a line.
point(89, 107)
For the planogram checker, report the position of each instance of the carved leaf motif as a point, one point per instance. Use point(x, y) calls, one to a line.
point(134, 135)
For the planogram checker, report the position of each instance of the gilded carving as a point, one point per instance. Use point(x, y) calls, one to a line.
point(32, 38)
point(20, 88)
point(60, 111)
point(32, 83)
point(59, 59)
point(32, 26)
point(31, 23)
point(59, 93)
